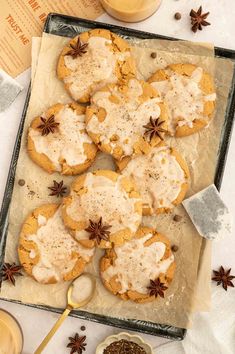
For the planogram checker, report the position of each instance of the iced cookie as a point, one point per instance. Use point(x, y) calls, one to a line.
point(189, 93)
point(93, 59)
point(102, 209)
point(47, 251)
point(58, 142)
point(162, 177)
point(125, 120)
point(141, 269)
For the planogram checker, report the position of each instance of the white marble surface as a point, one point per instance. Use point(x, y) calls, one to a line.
point(35, 323)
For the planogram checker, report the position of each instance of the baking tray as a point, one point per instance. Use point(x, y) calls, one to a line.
point(67, 26)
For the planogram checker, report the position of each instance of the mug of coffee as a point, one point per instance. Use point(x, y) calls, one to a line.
point(130, 10)
point(11, 335)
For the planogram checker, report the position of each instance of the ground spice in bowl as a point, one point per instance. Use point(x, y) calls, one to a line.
point(124, 347)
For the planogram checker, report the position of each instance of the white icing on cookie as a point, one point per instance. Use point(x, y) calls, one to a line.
point(58, 251)
point(107, 199)
point(32, 254)
point(124, 119)
point(136, 264)
point(42, 220)
point(184, 98)
point(67, 142)
point(158, 176)
point(96, 67)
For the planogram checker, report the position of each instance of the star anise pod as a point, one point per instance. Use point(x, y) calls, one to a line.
point(48, 125)
point(156, 288)
point(198, 19)
point(77, 344)
point(153, 128)
point(10, 271)
point(98, 231)
point(223, 277)
point(58, 189)
point(78, 49)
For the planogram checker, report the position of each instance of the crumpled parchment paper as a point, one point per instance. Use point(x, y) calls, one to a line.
point(188, 288)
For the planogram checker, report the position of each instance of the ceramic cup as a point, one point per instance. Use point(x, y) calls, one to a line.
point(11, 335)
point(130, 11)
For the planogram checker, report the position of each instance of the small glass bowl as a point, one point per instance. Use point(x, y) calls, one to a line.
point(14, 328)
point(133, 14)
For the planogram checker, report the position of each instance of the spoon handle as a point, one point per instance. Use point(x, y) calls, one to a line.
point(52, 331)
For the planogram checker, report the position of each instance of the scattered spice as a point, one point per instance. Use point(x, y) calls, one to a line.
point(223, 277)
point(123, 347)
point(83, 328)
point(153, 128)
point(77, 344)
point(10, 271)
point(21, 182)
point(98, 231)
point(48, 125)
point(177, 16)
point(174, 248)
point(177, 218)
point(153, 55)
point(58, 189)
point(198, 19)
point(156, 288)
point(78, 49)
point(31, 193)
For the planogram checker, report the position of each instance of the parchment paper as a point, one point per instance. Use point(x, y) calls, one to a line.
point(203, 288)
point(36, 46)
point(200, 151)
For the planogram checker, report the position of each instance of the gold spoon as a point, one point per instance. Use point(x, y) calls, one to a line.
point(70, 306)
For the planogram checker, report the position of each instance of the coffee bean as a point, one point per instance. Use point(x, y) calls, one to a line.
point(153, 55)
point(174, 248)
point(21, 182)
point(177, 218)
point(177, 16)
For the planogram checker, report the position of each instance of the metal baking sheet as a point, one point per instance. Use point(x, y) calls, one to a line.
point(67, 26)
